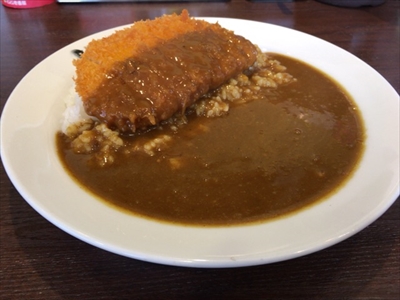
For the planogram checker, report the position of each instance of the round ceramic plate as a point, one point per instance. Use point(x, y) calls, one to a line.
point(32, 116)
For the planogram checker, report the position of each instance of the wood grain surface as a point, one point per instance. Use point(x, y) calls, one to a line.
point(40, 261)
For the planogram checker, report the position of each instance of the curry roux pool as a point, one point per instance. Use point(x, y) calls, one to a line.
point(291, 147)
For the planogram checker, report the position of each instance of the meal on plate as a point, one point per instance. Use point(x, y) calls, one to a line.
point(181, 120)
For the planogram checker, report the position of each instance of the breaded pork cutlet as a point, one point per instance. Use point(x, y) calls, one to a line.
point(142, 75)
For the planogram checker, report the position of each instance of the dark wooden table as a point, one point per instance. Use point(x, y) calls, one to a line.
point(39, 261)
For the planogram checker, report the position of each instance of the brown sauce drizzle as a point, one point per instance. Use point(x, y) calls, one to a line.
point(148, 88)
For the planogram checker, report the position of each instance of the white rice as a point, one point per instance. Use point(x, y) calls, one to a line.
point(74, 112)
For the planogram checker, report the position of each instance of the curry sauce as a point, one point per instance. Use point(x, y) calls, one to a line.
point(291, 147)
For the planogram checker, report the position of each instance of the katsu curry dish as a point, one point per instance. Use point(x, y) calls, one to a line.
point(180, 120)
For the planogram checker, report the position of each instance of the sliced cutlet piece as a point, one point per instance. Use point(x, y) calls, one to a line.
point(142, 75)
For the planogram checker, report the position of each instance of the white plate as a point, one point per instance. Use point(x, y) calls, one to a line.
point(32, 115)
